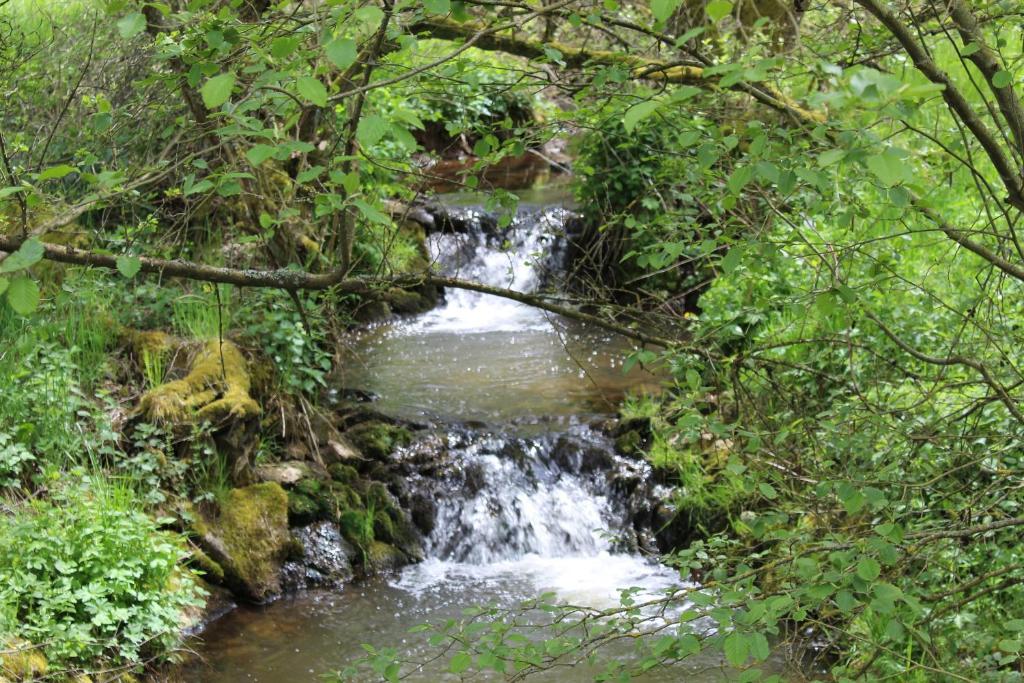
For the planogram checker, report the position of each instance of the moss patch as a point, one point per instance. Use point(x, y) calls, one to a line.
point(21, 661)
point(216, 389)
point(378, 439)
point(249, 538)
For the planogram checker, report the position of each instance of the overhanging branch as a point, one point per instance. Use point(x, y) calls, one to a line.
point(293, 280)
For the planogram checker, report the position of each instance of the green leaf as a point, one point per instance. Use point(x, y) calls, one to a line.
point(460, 663)
point(759, 647)
point(719, 9)
point(131, 25)
point(4, 284)
point(56, 172)
point(663, 9)
point(736, 648)
point(28, 254)
point(970, 49)
point(833, 156)
point(13, 189)
point(1001, 79)
point(217, 90)
point(868, 568)
point(311, 173)
point(312, 90)
point(341, 52)
point(889, 168)
point(370, 130)
point(129, 266)
point(437, 6)
point(23, 295)
point(260, 153)
point(739, 179)
point(282, 47)
point(637, 113)
point(371, 214)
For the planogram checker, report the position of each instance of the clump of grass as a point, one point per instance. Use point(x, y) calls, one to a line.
point(154, 368)
point(204, 316)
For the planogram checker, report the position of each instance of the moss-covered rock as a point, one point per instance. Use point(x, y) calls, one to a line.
point(249, 539)
point(345, 474)
point(378, 439)
point(22, 661)
point(206, 564)
point(303, 509)
point(383, 557)
point(629, 443)
point(372, 311)
point(407, 302)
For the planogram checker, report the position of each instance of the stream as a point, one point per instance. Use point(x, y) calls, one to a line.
point(533, 498)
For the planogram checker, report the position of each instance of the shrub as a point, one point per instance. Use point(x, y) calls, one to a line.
point(88, 576)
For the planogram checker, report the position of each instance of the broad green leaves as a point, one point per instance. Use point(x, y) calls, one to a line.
point(341, 52)
point(890, 168)
point(23, 295)
point(28, 254)
point(129, 266)
point(56, 172)
point(868, 568)
point(719, 9)
point(663, 9)
point(312, 90)
point(437, 6)
point(637, 113)
point(1002, 79)
point(217, 90)
point(131, 25)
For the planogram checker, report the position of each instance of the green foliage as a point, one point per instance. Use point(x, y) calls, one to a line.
point(89, 577)
point(300, 359)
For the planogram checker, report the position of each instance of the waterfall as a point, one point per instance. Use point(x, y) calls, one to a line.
point(522, 257)
point(544, 506)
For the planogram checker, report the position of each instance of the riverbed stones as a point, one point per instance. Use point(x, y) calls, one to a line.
point(249, 538)
point(325, 559)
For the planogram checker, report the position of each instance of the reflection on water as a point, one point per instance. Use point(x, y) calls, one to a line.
point(304, 637)
point(545, 369)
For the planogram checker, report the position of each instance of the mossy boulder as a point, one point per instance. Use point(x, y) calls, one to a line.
point(407, 302)
point(378, 439)
point(249, 539)
point(22, 661)
point(372, 311)
point(383, 557)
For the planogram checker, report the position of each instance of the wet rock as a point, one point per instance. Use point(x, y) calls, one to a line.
point(573, 456)
point(249, 539)
point(423, 511)
point(219, 602)
point(287, 473)
point(325, 559)
point(336, 396)
point(341, 449)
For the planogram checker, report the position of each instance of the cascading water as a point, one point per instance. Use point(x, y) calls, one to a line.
point(515, 488)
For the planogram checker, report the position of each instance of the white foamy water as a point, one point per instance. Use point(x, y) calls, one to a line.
point(595, 581)
point(515, 258)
